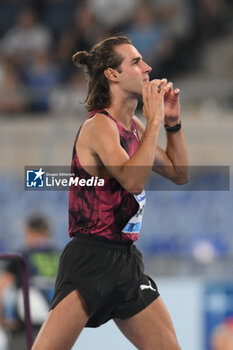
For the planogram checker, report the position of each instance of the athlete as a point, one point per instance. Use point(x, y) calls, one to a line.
point(101, 275)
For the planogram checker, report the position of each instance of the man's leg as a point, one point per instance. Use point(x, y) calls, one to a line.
point(63, 325)
point(150, 329)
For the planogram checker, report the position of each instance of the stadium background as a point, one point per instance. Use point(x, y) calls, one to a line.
point(187, 235)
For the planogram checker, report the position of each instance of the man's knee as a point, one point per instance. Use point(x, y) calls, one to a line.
point(155, 347)
point(34, 347)
point(168, 345)
point(173, 346)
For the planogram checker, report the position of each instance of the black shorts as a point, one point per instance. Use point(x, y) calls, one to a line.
point(108, 275)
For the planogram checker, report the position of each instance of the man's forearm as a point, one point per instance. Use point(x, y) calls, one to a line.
point(137, 169)
point(177, 153)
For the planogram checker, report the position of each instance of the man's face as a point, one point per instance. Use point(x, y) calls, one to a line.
point(133, 70)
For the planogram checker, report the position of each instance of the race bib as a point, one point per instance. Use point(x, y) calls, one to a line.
point(135, 223)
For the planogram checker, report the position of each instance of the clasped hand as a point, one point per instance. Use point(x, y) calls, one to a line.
point(161, 102)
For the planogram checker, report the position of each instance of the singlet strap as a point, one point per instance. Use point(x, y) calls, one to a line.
point(102, 111)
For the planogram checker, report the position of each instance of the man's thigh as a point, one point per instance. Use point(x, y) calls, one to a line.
point(150, 329)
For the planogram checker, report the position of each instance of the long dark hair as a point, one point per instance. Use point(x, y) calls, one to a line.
point(101, 57)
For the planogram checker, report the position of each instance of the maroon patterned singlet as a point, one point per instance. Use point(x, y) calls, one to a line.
point(106, 211)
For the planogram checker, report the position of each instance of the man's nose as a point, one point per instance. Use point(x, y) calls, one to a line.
point(146, 67)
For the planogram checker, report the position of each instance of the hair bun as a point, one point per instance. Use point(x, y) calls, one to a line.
point(80, 58)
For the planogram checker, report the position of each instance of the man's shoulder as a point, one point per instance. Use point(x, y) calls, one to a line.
point(99, 123)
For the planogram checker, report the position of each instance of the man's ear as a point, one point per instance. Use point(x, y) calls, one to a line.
point(111, 74)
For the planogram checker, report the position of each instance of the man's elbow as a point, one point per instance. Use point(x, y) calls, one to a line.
point(134, 188)
point(137, 191)
point(181, 180)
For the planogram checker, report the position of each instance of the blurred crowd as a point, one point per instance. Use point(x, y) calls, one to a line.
point(38, 38)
